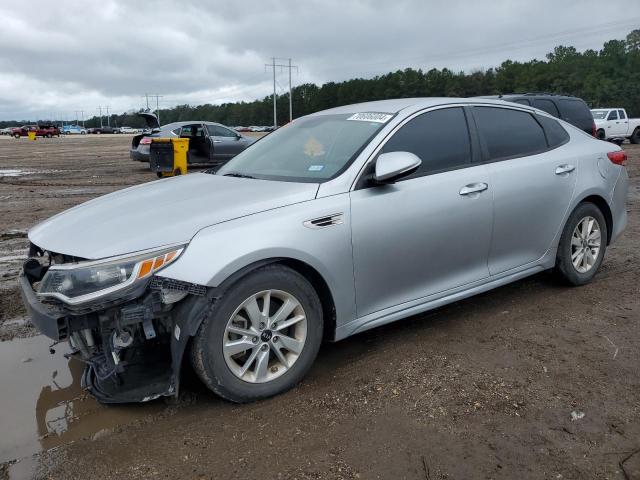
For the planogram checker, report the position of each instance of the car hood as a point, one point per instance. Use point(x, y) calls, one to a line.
point(159, 213)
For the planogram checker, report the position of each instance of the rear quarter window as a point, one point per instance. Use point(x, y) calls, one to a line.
point(556, 134)
point(509, 133)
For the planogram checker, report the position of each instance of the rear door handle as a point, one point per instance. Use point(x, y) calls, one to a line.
point(473, 188)
point(565, 168)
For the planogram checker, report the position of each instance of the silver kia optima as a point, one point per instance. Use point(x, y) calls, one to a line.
point(339, 222)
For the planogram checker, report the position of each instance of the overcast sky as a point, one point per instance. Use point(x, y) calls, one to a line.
point(62, 56)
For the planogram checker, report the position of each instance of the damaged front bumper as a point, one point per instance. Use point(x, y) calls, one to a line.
point(132, 343)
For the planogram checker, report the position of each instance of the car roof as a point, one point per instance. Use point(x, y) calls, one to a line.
point(396, 105)
point(511, 96)
point(191, 122)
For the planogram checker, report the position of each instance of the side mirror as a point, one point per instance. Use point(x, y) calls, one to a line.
point(395, 165)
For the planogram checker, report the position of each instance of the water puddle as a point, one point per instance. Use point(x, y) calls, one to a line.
point(13, 173)
point(42, 405)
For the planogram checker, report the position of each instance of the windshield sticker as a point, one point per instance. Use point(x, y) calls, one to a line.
point(313, 148)
point(316, 168)
point(371, 117)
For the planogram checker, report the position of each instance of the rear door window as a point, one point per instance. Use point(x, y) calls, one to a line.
point(523, 101)
point(509, 133)
point(576, 113)
point(218, 131)
point(621, 115)
point(546, 106)
point(440, 139)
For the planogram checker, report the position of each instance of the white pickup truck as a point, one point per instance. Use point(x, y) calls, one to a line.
point(614, 123)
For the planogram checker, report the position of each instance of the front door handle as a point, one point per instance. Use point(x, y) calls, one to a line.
point(473, 188)
point(565, 168)
point(217, 141)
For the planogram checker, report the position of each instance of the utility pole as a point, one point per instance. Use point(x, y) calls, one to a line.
point(290, 96)
point(157, 97)
point(108, 119)
point(100, 110)
point(273, 66)
point(275, 108)
point(81, 112)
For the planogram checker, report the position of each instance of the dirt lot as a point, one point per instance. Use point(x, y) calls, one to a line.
point(533, 380)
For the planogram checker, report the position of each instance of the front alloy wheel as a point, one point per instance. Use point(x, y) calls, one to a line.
point(265, 336)
point(261, 336)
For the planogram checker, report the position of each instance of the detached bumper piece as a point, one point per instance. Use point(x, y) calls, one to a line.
point(133, 383)
point(128, 342)
point(49, 320)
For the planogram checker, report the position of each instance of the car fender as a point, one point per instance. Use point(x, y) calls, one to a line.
point(597, 177)
point(218, 252)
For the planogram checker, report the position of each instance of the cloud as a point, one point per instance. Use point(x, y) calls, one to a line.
point(82, 54)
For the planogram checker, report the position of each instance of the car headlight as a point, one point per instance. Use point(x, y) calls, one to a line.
point(86, 281)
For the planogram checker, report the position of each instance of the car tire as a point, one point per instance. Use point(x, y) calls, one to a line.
point(600, 135)
point(49, 135)
point(16, 135)
point(222, 372)
point(635, 136)
point(585, 225)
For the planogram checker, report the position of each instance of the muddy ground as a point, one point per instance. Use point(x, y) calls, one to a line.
point(532, 380)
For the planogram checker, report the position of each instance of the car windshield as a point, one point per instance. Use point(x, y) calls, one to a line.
point(599, 114)
point(311, 149)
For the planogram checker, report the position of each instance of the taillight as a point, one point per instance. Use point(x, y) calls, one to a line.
point(145, 141)
point(593, 128)
point(618, 157)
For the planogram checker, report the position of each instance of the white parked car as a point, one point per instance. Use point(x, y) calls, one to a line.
point(614, 123)
point(129, 130)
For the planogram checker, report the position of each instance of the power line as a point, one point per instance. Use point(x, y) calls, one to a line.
point(496, 48)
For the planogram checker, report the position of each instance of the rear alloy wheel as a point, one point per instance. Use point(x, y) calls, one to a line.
point(582, 245)
point(16, 135)
point(635, 137)
point(262, 336)
point(601, 135)
point(585, 244)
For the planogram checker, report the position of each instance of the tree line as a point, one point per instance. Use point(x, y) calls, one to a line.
point(604, 78)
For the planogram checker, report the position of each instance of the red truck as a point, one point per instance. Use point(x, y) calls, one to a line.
point(41, 131)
